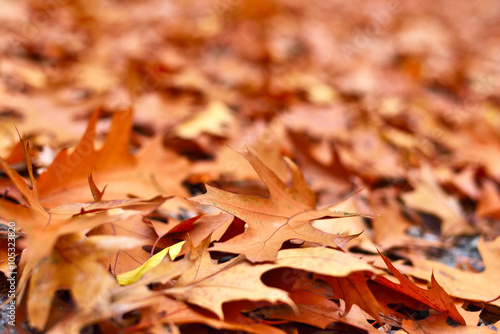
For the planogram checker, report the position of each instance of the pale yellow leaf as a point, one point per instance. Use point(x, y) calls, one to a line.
point(130, 277)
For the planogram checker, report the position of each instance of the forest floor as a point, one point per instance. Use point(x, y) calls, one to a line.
point(250, 166)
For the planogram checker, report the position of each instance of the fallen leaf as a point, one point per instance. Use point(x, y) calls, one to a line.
point(180, 313)
point(427, 194)
point(437, 324)
point(238, 282)
point(283, 216)
point(354, 291)
point(130, 277)
point(435, 297)
point(65, 180)
point(463, 284)
point(75, 269)
point(203, 265)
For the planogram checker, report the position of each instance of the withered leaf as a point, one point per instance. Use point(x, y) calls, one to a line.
point(435, 297)
point(285, 215)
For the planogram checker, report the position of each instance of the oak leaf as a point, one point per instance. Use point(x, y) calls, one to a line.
point(285, 215)
point(437, 324)
point(354, 291)
point(196, 228)
point(46, 250)
point(73, 266)
point(181, 313)
point(42, 227)
point(203, 265)
point(463, 284)
point(435, 297)
point(238, 282)
point(208, 287)
point(128, 259)
point(322, 317)
point(143, 174)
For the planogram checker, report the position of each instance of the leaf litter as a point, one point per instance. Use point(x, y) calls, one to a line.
point(252, 166)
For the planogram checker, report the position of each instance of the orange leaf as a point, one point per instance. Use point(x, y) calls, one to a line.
point(436, 324)
point(284, 216)
point(435, 297)
point(143, 174)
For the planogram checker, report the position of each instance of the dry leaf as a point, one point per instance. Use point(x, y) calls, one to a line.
point(283, 216)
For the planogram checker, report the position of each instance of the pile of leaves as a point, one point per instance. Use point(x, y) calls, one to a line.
point(251, 166)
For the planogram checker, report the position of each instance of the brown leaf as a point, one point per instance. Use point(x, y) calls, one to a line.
point(435, 297)
point(141, 175)
point(463, 284)
point(203, 266)
point(74, 268)
point(41, 226)
point(181, 313)
point(437, 324)
point(143, 205)
point(238, 282)
point(283, 216)
point(354, 290)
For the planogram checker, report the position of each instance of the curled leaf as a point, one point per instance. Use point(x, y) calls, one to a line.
point(132, 276)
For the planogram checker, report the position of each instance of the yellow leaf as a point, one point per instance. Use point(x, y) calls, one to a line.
point(130, 277)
